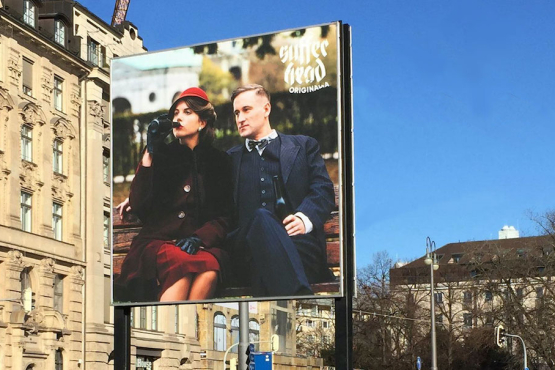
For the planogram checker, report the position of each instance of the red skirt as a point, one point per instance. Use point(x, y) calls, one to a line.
point(173, 264)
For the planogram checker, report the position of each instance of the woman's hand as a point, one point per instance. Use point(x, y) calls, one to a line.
point(123, 208)
point(189, 245)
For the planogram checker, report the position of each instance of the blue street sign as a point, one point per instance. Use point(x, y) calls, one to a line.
point(418, 363)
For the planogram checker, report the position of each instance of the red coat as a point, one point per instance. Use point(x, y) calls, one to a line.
point(185, 192)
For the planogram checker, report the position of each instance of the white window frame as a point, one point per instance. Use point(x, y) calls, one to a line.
point(29, 12)
point(220, 332)
point(58, 92)
point(58, 156)
point(106, 231)
point(26, 211)
point(27, 143)
point(59, 32)
point(57, 220)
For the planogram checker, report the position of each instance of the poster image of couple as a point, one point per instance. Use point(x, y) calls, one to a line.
point(227, 170)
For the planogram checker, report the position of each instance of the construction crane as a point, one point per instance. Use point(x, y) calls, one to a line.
point(120, 11)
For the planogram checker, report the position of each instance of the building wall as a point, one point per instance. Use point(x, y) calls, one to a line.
point(32, 334)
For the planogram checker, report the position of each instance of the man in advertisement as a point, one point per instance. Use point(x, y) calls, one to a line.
point(283, 196)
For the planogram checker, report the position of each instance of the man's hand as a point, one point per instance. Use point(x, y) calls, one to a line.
point(123, 208)
point(294, 225)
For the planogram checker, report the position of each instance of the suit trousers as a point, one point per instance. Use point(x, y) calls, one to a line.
point(281, 265)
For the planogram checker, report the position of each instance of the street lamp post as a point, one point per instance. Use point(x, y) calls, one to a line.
point(431, 259)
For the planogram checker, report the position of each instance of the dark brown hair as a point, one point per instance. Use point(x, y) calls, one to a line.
point(206, 113)
point(260, 90)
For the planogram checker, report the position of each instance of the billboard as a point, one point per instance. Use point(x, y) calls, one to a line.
point(228, 170)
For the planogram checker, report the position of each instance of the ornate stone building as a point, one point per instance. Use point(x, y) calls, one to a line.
point(54, 183)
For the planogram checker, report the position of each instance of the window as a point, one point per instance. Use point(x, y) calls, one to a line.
point(467, 297)
point(58, 93)
point(325, 324)
point(456, 257)
point(106, 231)
point(309, 323)
point(58, 360)
point(219, 332)
point(27, 77)
point(26, 211)
point(142, 317)
point(96, 53)
point(254, 334)
point(26, 143)
point(59, 32)
point(467, 320)
point(57, 156)
point(132, 317)
point(106, 167)
point(27, 295)
point(234, 332)
point(29, 13)
point(488, 296)
point(489, 319)
point(57, 220)
point(314, 311)
point(59, 293)
point(439, 318)
point(520, 293)
point(539, 293)
point(154, 318)
point(438, 298)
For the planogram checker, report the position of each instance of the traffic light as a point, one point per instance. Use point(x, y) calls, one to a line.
point(499, 335)
point(250, 356)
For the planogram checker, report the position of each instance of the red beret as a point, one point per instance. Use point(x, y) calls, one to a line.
point(197, 92)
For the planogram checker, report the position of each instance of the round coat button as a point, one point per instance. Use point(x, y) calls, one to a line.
point(181, 214)
point(187, 188)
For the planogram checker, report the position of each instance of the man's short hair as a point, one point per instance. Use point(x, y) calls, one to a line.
point(260, 90)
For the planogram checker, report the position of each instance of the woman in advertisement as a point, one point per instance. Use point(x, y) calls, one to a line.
point(182, 192)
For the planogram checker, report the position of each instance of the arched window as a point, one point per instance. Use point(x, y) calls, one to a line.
point(219, 332)
point(59, 360)
point(254, 333)
point(235, 333)
point(27, 290)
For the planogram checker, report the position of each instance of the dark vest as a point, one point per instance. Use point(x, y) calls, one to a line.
point(255, 180)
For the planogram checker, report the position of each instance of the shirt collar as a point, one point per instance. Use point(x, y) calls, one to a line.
point(271, 136)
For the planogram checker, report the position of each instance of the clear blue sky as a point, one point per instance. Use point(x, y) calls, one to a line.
point(454, 106)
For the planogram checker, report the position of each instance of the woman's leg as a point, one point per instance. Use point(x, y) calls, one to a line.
point(204, 285)
point(178, 291)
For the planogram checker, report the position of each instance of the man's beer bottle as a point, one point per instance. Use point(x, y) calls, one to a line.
point(282, 207)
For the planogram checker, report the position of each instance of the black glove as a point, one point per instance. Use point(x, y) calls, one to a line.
point(157, 131)
point(189, 245)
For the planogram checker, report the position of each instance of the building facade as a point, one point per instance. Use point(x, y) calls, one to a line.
point(55, 210)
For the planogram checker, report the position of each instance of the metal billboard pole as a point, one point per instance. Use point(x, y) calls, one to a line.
point(344, 305)
point(122, 338)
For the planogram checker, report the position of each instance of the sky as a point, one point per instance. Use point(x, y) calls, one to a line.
point(454, 106)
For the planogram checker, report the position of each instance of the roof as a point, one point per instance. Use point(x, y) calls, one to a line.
point(456, 259)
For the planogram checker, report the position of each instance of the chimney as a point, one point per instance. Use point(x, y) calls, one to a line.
point(508, 232)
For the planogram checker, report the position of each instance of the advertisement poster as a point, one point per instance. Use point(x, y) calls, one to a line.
point(203, 214)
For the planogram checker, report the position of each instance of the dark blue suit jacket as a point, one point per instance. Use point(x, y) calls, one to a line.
point(306, 180)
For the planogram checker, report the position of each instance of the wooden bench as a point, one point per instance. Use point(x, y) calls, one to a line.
point(127, 228)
